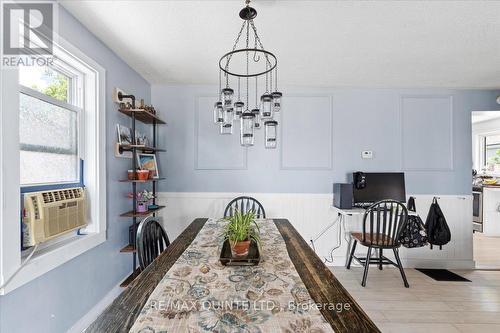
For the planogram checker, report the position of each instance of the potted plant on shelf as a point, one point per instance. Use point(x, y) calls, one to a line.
point(240, 231)
point(143, 200)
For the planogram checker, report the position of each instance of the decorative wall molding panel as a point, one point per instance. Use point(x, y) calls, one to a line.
point(311, 213)
point(427, 133)
point(307, 133)
point(212, 150)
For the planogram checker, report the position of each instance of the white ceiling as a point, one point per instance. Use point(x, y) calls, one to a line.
point(318, 43)
point(480, 116)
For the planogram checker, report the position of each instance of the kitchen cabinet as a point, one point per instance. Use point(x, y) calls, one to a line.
point(491, 213)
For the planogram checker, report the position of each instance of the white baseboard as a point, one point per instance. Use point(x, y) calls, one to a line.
point(92, 315)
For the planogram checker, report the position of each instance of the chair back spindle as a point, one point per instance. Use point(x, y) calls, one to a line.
point(152, 240)
point(383, 223)
point(244, 205)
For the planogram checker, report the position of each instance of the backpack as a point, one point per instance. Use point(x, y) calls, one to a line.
point(413, 233)
point(437, 229)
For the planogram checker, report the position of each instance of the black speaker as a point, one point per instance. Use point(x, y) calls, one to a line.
point(342, 195)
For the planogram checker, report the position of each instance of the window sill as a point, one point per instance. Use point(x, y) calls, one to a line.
point(53, 256)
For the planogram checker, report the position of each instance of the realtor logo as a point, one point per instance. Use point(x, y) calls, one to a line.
point(27, 28)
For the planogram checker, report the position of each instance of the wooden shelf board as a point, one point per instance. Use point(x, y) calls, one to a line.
point(130, 278)
point(149, 212)
point(142, 148)
point(141, 181)
point(142, 116)
point(128, 249)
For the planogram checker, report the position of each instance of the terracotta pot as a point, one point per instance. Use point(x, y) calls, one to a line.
point(240, 249)
point(142, 174)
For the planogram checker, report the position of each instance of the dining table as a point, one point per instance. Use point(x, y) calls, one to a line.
point(187, 289)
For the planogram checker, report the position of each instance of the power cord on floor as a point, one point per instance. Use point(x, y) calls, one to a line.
point(20, 267)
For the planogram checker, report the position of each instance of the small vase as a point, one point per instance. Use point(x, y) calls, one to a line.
point(142, 207)
point(240, 249)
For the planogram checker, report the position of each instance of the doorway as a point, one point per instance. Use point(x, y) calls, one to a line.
point(486, 188)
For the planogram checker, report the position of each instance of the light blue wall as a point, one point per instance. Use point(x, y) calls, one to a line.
point(55, 301)
point(425, 132)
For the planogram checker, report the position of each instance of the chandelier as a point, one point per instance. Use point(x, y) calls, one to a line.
point(248, 62)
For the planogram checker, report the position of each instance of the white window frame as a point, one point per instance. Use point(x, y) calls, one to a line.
point(80, 126)
point(92, 143)
point(479, 150)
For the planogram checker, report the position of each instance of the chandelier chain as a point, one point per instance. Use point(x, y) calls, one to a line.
point(239, 94)
point(256, 90)
point(236, 42)
point(247, 43)
point(257, 40)
point(219, 93)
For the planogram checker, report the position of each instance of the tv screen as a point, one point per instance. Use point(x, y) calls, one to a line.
point(381, 186)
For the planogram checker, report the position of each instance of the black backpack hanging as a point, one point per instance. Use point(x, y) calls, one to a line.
point(413, 233)
point(437, 229)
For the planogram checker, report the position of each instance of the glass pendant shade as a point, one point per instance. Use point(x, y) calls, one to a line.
point(271, 133)
point(218, 113)
point(256, 113)
point(227, 96)
point(229, 115)
point(226, 128)
point(276, 101)
point(266, 102)
point(238, 110)
point(247, 129)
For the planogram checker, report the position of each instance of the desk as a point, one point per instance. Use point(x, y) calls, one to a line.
point(319, 280)
point(343, 220)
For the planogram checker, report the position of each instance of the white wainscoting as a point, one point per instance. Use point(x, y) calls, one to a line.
point(311, 213)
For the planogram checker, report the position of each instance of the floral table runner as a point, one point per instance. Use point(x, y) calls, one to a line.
point(198, 294)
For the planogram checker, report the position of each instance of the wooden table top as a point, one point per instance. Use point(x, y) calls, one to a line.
point(322, 285)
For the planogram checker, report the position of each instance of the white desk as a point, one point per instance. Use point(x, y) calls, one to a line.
point(351, 220)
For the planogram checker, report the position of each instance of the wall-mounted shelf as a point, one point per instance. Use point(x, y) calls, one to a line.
point(142, 116)
point(141, 148)
point(145, 214)
point(127, 249)
point(130, 278)
point(141, 181)
point(145, 117)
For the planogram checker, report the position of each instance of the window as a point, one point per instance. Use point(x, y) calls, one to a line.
point(50, 110)
point(488, 155)
point(53, 118)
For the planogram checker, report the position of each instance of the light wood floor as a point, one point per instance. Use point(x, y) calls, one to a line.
point(428, 305)
point(486, 251)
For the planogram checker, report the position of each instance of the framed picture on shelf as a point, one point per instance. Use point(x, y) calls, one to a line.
point(141, 139)
point(124, 135)
point(148, 162)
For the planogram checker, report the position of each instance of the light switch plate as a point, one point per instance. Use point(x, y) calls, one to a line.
point(367, 154)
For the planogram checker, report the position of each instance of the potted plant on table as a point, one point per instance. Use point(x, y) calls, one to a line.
point(240, 231)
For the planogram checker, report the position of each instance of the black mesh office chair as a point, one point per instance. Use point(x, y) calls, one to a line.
point(152, 240)
point(244, 205)
point(385, 221)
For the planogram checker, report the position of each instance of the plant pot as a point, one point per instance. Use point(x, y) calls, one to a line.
point(142, 174)
point(240, 249)
point(142, 207)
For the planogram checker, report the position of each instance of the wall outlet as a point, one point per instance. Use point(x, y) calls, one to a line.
point(367, 154)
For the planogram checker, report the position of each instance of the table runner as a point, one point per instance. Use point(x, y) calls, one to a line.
point(199, 294)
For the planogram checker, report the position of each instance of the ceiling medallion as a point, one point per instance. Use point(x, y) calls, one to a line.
point(249, 62)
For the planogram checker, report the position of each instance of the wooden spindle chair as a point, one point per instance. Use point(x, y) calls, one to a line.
point(385, 221)
point(152, 240)
point(244, 205)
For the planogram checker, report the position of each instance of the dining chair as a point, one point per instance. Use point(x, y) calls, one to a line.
point(382, 225)
point(152, 240)
point(244, 205)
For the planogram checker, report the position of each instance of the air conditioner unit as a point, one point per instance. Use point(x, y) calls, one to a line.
point(48, 214)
